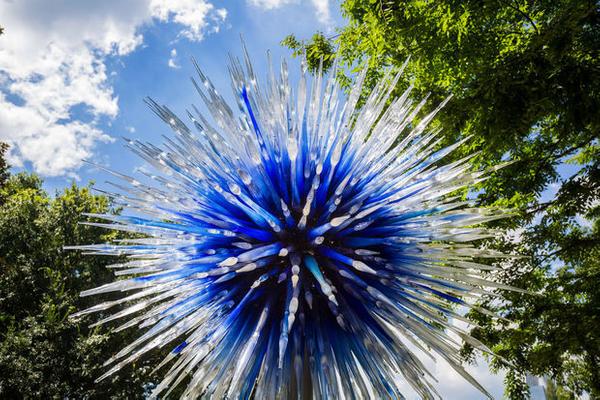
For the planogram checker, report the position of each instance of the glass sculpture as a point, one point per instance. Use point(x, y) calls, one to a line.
point(310, 245)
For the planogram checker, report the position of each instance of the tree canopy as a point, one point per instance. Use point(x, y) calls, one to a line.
point(4, 173)
point(525, 76)
point(44, 354)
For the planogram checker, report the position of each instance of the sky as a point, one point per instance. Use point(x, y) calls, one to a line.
point(74, 73)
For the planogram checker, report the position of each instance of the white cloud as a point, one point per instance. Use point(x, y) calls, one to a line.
point(172, 62)
point(53, 148)
point(322, 11)
point(450, 384)
point(321, 8)
point(270, 4)
point(197, 16)
point(54, 87)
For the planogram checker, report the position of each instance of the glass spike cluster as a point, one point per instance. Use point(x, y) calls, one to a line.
point(301, 247)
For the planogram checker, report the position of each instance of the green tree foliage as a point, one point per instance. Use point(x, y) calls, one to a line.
point(316, 49)
point(525, 76)
point(3, 164)
point(44, 354)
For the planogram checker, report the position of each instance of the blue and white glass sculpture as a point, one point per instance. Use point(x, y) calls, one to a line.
point(303, 247)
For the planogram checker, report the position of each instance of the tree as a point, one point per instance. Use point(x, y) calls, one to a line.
point(43, 353)
point(4, 167)
point(525, 76)
point(316, 49)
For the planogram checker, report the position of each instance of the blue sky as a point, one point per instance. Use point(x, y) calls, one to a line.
point(146, 54)
point(73, 75)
